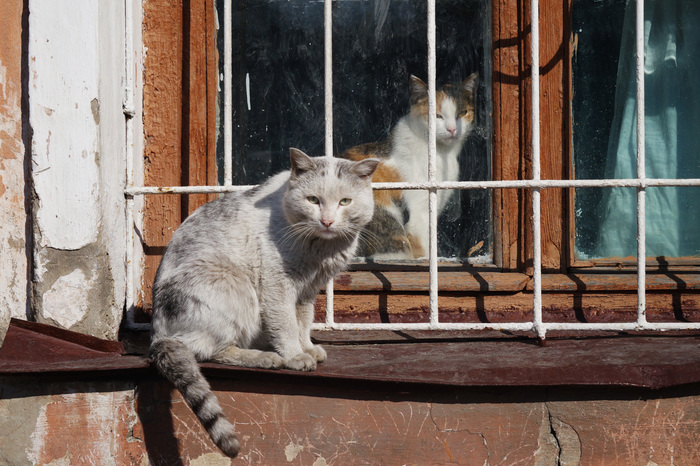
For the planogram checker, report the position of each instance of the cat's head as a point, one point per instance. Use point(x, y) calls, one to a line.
point(455, 109)
point(328, 197)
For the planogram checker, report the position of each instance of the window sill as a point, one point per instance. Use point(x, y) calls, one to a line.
point(454, 279)
point(444, 359)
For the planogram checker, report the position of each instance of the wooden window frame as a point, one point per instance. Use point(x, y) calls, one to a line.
point(181, 81)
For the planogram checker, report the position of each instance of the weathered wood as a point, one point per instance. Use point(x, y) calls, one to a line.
point(418, 281)
point(180, 96)
point(618, 281)
point(562, 306)
point(508, 134)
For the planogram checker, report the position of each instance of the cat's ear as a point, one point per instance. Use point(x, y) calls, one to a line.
point(365, 168)
point(470, 84)
point(419, 89)
point(301, 163)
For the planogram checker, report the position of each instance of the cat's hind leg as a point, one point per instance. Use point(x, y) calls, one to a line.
point(236, 356)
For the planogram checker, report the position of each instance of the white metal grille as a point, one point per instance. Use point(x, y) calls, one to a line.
point(536, 184)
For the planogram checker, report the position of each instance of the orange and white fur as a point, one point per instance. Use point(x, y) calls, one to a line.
point(399, 228)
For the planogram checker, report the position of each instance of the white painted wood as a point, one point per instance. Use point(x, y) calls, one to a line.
point(112, 146)
point(78, 154)
point(64, 115)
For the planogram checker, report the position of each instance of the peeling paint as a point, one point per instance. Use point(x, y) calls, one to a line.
point(292, 450)
point(13, 256)
point(211, 459)
point(66, 184)
point(67, 301)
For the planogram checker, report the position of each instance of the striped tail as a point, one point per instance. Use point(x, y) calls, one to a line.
point(177, 364)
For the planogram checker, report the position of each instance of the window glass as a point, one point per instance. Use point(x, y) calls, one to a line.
point(278, 97)
point(604, 111)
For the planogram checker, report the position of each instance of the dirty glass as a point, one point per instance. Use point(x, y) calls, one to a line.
point(605, 113)
point(278, 89)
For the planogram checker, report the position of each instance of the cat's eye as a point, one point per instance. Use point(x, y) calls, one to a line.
point(438, 116)
point(345, 201)
point(313, 200)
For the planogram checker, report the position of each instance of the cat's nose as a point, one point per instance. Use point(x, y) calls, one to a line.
point(452, 131)
point(326, 223)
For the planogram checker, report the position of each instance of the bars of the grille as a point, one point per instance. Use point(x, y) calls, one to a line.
point(328, 108)
point(641, 170)
point(535, 184)
point(432, 168)
point(228, 94)
point(536, 218)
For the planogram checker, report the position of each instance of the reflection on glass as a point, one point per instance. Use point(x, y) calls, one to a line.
point(377, 47)
point(605, 109)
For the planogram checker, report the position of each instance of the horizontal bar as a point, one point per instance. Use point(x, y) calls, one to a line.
point(185, 189)
point(513, 326)
point(504, 184)
point(507, 326)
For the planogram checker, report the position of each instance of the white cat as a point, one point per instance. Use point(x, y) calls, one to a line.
point(238, 282)
point(404, 157)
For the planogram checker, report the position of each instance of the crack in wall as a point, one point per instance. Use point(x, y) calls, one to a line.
point(446, 430)
point(566, 440)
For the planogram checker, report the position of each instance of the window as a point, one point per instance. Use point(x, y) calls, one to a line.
point(496, 265)
point(604, 111)
point(278, 89)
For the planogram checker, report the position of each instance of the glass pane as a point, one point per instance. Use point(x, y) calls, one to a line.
point(278, 87)
point(604, 110)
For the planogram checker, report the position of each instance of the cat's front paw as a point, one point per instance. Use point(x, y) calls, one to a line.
point(301, 362)
point(270, 360)
point(318, 353)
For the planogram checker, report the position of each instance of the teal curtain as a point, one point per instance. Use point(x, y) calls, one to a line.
point(672, 142)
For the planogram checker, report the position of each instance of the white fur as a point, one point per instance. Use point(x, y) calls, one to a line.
point(410, 157)
point(245, 270)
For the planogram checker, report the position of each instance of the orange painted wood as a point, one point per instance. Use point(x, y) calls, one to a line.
point(557, 306)
point(418, 281)
point(180, 97)
point(618, 281)
point(508, 142)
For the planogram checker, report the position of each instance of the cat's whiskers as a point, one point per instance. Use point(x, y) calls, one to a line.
point(293, 233)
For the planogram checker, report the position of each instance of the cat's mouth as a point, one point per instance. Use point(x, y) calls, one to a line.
point(324, 232)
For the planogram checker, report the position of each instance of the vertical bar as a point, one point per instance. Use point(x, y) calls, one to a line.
point(536, 213)
point(129, 181)
point(328, 73)
point(328, 101)
point(129, 109)
point(641, 168)
point(432, 167)
point(228, 94)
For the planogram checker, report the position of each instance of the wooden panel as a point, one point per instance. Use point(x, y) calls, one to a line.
point(418, 281)
point(618, 281)
point(508, 141)
point(566, 306)
point(180, 82)
point(555, 133)
point(512, 131)
point(162, 121)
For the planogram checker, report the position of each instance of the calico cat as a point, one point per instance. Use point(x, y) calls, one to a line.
point(238, 282)
point(404, 157)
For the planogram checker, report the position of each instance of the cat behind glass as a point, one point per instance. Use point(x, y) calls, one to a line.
point(399, 229)
point(238, 282)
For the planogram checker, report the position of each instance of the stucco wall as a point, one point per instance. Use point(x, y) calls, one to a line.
point(62, 156)
point(14, 243)
point(125, 422)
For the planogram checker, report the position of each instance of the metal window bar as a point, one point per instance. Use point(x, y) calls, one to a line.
point(536, 184)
